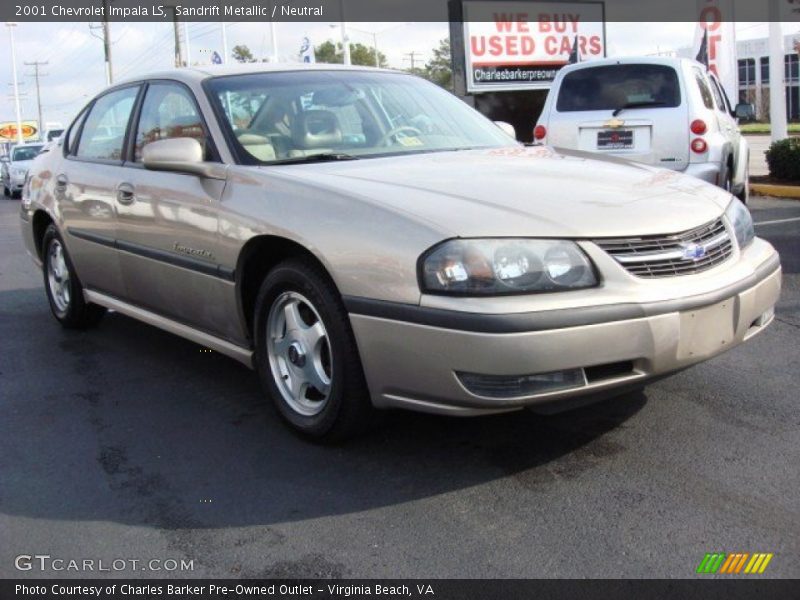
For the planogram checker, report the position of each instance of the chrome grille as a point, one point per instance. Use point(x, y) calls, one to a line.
point(669, 255)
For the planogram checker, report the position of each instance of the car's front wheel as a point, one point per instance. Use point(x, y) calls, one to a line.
point(306, 353)
point(64, 290)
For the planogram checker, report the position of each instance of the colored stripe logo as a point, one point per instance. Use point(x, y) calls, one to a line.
point(734, 563)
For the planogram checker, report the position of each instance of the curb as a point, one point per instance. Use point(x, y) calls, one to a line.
point(781, 191)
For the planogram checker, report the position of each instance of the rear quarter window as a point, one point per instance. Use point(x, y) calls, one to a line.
point(614, 86)
point(705, 92)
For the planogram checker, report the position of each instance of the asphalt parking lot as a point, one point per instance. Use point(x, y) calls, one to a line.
point(126, 442)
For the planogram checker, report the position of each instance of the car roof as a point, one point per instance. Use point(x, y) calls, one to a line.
point(199, 73)
point(670, 61)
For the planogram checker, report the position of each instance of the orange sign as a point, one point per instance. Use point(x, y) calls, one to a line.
point(8, 131)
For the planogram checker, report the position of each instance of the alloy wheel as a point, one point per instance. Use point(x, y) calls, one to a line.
point(299, 353)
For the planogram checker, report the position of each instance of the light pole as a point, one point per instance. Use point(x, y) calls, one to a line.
point(11, 26)
point(777, 88)
point(345, 39)
point(224, 44)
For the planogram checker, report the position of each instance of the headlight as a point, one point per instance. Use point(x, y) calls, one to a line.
point(741, 221)
point(493, 267)
point(18, 173)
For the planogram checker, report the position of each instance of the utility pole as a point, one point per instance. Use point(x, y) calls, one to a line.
point(177, 32)
point(11, 27)
point(106, 41)
point(412, 58)
point(36, 75)
point(345, 39)
point(188, 46)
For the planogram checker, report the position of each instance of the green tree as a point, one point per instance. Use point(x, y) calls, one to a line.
point(242, 54)
point(328, 52)
point(439, 69)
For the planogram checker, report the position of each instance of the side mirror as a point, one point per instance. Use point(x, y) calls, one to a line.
point(508, 128)
point(180, 155)
point(744, 111)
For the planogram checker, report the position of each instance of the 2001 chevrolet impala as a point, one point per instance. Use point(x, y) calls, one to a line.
point(364, 239)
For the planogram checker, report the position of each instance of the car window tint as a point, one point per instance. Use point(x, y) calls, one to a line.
point(103, 132)
point(168, 111)
point(614, 86)
point(702, 84)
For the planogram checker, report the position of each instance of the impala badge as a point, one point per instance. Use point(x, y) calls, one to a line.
point(197, 252)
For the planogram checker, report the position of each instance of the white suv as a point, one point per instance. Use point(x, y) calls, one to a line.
point(666, 112)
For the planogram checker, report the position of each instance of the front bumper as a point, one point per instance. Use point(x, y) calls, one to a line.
point(415, 364)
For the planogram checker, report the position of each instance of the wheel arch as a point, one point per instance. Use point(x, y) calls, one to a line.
point(39, 222)
point(257, 257)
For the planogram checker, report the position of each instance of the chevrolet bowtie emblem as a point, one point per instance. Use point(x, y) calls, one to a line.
point(614, 123)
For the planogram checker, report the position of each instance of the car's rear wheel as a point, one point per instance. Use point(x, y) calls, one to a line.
point(64, 290)
point(6, 191)
point(306, 353)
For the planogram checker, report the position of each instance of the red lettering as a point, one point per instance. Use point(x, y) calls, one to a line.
point(478, 45)
point(713, 40)
point(710, 18)
point(503, 22)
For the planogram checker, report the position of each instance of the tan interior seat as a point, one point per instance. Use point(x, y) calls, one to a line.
point(258, 146)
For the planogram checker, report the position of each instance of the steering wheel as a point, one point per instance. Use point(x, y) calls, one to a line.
point(384, 141)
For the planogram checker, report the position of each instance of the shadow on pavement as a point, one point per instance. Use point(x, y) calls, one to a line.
point(128, 424)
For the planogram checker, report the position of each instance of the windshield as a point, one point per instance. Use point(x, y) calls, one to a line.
point(614, 87)
point(286, 116)
point(25, 153)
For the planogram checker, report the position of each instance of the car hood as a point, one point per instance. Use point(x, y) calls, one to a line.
point(21, 164)
point(518, 191)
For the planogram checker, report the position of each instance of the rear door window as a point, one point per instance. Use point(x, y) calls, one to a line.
point(616, 86)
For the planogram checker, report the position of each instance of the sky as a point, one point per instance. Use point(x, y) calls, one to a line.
point(75, 70)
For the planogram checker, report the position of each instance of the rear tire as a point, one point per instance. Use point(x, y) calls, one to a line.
point(64, 290)
point(6, 191)
point(306, 354)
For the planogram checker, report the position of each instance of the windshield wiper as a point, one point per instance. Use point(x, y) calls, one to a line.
point(636, 105)
point(310, 158)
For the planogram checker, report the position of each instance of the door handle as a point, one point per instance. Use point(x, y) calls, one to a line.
point(61, 182)
point(125, 193)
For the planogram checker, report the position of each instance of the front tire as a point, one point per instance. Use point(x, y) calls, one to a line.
point(64, 290)
point(306, 354)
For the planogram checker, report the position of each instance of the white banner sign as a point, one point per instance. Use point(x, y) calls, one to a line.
point(716, 18)
point(522, 45)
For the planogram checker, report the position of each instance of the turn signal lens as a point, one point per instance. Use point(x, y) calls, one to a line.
point(699, 146)
point(698, 127)
point(540, 132)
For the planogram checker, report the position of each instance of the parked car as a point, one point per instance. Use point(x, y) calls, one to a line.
point(295, 220)
point(15, 167)
point(665, 112)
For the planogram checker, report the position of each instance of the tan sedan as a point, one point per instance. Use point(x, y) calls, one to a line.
point(363, 239)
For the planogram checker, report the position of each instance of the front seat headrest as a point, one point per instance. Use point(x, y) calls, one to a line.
point(316, 129)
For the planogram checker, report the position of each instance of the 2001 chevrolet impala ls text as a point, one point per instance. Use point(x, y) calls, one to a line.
point(364, 239)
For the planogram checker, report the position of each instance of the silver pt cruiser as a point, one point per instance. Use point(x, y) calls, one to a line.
point(363, 239)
